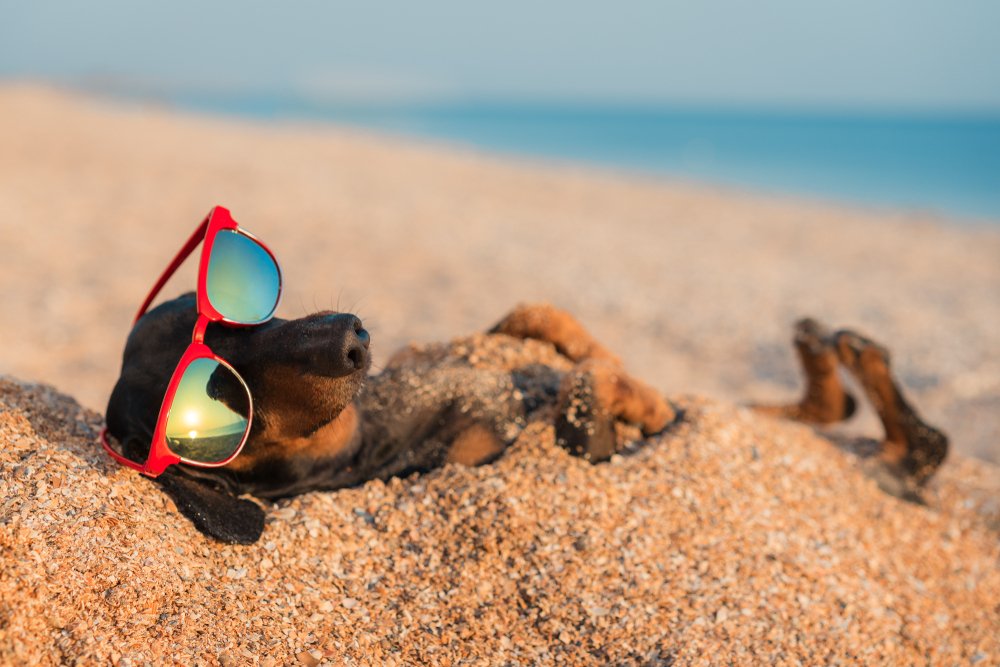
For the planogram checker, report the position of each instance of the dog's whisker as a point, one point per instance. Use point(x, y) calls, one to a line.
point(357, 304)
point(340, 295)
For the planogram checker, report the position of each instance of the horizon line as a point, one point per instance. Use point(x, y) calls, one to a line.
point(172, 92)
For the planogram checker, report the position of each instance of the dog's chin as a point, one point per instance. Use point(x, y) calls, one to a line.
point(338, 392)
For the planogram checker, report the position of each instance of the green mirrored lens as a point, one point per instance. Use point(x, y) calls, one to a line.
point(210, 413)
point(243, 280)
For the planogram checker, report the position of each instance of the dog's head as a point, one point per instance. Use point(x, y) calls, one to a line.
point(303, 376)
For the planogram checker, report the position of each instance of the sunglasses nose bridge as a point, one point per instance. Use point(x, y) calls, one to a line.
point(200, 327)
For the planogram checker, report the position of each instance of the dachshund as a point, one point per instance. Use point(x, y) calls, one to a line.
point(321, 422)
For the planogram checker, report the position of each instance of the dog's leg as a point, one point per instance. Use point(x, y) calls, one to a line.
point(912, 449)
point(547, 323)
point(474, 446)
point(825, 401)
point(596, 393)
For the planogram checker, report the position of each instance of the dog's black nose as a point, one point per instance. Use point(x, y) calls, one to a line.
point(350, 349)
point(334, 344)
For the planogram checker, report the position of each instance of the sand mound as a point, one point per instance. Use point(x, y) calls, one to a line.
point(732, 537)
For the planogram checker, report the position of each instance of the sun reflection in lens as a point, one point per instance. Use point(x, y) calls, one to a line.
point(191, 418)
point(209, 415)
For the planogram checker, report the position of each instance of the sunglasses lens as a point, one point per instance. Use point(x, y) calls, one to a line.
point(210, 413)
point(243, 279)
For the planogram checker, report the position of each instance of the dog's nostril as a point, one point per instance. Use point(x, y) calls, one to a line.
point(363, 336)
point(356, 356)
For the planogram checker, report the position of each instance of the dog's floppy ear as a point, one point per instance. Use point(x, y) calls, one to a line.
point(214, 513)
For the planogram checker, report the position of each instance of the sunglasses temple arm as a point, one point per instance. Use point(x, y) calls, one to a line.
point(188, 248)
point(115, 455)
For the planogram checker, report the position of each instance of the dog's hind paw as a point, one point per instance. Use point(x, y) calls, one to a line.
point(824, 401)
point(911, 445)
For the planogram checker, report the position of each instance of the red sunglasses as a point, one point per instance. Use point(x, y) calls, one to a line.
point(207, 411)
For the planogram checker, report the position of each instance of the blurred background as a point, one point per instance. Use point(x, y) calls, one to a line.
point(891, 102)
point(687, 177)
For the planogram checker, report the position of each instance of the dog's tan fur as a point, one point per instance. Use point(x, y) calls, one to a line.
point(474, 446)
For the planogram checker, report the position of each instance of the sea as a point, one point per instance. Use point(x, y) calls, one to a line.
point(939, 164)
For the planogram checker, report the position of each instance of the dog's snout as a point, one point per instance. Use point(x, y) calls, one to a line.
point(350, 343)
point(330, 344)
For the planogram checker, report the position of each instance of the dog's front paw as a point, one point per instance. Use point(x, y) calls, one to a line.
point(596, 394)
point(584, 426)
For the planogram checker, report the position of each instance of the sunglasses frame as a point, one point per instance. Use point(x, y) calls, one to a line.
point(160, 455)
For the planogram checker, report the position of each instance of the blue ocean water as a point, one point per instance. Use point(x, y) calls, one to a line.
point(941, 164)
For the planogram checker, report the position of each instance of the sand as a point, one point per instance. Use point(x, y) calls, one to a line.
point(732, 537)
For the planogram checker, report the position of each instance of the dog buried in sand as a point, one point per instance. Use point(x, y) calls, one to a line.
point(274, 408)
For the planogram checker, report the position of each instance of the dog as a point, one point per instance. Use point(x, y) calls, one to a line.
point(321, 422)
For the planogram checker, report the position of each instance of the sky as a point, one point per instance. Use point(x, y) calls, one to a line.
point(912, 55)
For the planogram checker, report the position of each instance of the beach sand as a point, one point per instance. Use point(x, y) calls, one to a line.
point(732, 536)
point(732, 539)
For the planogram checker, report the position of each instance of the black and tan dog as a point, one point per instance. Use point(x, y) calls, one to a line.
point(322, 423)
